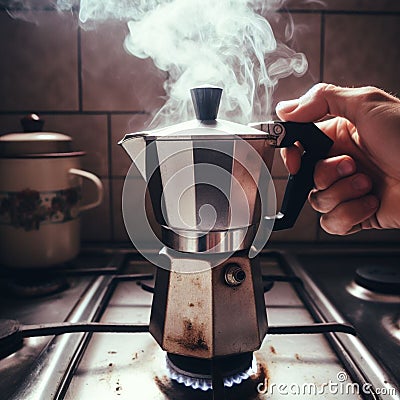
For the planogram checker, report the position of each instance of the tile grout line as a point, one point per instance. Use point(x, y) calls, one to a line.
point(80, 87)
point(322, 48)
point(74, 112)
point(321, 79)
point(110, 176)
point(339, 12)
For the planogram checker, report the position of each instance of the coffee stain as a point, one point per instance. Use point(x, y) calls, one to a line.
point(197, 282)
point(135, 355)
point(193, 337)
point(118, 388)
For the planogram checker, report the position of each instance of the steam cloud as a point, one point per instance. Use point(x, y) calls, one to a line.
point(227, 43)
point(223, 43)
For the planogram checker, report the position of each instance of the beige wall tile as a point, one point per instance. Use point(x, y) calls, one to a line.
point(95, 223)
point(120, 125)
point(278, 167)
point(89, 133)
point(11, 123)
point(15, 7)
point(344, 5)
point(112, 79)
point(38, 69)
point(363, 50)
point(119, 230)
point(306, 39)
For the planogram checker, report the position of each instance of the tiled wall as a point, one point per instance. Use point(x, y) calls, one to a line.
point(83, 83)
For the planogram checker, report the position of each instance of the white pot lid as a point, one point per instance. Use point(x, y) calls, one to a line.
point(34, 142)
point(206, 126)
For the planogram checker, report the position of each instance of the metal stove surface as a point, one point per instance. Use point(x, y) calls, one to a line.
point(127, 366)
point(132, 366)
point(30, 308)
point(375, 315)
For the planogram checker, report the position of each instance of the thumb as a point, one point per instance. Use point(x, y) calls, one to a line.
point(325, 99)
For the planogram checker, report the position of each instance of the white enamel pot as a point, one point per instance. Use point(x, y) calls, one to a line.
point(40, 199)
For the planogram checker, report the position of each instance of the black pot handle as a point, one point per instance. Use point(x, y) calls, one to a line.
point(316, 147)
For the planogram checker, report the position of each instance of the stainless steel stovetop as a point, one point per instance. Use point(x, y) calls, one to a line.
point(114, 286)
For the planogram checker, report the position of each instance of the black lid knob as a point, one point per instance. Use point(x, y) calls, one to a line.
point(32, 123)
point(206, 102)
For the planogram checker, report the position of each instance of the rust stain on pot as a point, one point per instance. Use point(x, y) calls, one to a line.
point(193, 336)
point(297, 357)
point(197, 282)
point(272, 348)
point(254, 388)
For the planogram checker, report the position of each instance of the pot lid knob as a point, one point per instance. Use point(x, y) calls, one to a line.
point(206, 102)
point(32, 123)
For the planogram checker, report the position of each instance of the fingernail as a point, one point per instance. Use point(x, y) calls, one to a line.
point(360, 182)
point(371, 202)
point(345, 168)
point(287, 106)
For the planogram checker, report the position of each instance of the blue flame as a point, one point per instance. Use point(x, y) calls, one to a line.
point(204, 382)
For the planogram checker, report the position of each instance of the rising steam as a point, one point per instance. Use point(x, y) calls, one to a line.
point(228, 43)
point(223, 43)
point(220, 42)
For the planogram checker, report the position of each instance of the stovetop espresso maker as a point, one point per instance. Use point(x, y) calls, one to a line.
point(213, 196)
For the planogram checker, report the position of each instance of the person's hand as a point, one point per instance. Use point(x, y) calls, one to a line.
point(358, 186)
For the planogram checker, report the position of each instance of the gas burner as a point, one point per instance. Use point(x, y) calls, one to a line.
point(40, 286)
point(197, 373)
point(376, 283)
point(379, 279)
point(392, 325)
